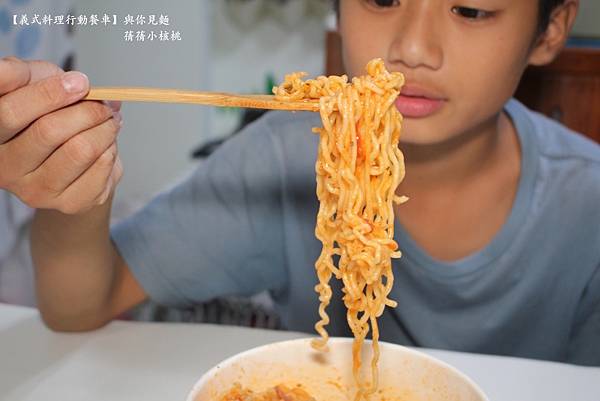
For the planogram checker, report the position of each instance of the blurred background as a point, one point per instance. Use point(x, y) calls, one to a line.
point(226, 45)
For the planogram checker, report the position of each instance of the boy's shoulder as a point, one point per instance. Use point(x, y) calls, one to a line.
point(556, 141)
point(274, 128)
point(283, 137)
point(566, 162)
point(290, 132)
point(281, 122)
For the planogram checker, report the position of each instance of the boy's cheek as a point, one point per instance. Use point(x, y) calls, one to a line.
point(359, 48)
point(353, 58)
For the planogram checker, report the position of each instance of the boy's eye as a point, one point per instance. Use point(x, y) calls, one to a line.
point(471, 13)
point(383, 3)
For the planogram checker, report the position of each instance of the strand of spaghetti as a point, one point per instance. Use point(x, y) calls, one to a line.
point(359, 167)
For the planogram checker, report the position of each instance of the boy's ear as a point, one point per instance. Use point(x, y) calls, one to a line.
point(550, 42)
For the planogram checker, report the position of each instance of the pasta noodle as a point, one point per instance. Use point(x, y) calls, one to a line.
point(277, 393)
point(359, 167)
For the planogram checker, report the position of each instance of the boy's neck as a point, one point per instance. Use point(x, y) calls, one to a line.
point(449, 165)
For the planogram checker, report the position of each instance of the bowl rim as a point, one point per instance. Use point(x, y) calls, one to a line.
point(240, 355)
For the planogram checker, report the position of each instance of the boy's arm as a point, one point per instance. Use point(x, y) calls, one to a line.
point(82, 281)
point(59, 154)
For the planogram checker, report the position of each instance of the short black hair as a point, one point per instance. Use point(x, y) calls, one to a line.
point(545, 11)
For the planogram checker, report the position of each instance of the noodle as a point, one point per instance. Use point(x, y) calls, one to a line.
point(359, 166)
point(277, 393)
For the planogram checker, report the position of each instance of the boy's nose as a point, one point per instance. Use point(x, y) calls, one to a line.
point(417, 41)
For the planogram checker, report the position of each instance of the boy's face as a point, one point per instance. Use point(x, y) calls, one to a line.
point(462, 59)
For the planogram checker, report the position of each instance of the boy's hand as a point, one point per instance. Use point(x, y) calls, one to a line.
point(56, 151)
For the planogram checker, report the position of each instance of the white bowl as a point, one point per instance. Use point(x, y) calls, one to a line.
point(404, 374)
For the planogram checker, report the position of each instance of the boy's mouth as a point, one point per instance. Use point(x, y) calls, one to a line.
point(416, 102)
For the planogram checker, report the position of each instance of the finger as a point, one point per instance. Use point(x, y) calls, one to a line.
point(84, 193)
point(72, 159)
point(16, 73)
point(115, 105)
point(28, 151)
point(113, 181)
point(21, 107)
point(42, 69)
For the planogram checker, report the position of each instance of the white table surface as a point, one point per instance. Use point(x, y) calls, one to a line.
point(162, 361)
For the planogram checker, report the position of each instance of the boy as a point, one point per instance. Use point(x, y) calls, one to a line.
point(500, 237)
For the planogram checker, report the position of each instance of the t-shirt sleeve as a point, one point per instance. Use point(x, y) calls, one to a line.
point(217, 233)
point(584, 347)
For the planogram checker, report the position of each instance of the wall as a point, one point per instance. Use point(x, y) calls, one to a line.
point(156, 139)
point(588, 20)
point(254, 39)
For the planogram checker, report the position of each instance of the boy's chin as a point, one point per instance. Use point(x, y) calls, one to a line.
point(418, 133)
point(419, 142)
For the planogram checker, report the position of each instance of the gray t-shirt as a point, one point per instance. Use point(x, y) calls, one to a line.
point(243, 223)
